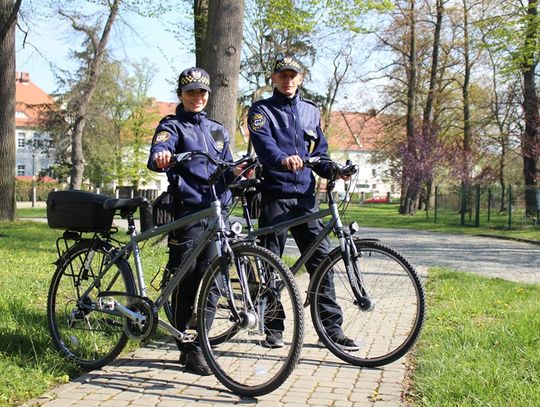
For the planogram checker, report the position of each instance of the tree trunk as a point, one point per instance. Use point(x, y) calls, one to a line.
point(428, 124)
point(8, 20)
point(77, 156)
point(222, 60)
point(467, 129)
point(410, 168)
point(200, 20)
point(530, 142)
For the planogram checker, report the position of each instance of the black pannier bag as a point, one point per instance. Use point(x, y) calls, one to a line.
point(80, 211)
point(254, 199)
point(163, 209)
point(146, 215)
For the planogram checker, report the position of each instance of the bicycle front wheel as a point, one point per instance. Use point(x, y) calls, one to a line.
point(242, 359)
point(87, 336)
point(383, 332)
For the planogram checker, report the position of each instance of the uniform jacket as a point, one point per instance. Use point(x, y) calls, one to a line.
point(185, 132)
point(280, 127)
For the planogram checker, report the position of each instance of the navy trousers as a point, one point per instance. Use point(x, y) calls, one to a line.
point(274, 211)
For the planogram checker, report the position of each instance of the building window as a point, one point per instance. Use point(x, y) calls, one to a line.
point(374, 172)
point(20, 170)
point(21, 140)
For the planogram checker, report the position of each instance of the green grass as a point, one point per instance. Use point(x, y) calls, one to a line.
point(387, 216)
point(32, 212)
point(29, 365)
point(480, 345)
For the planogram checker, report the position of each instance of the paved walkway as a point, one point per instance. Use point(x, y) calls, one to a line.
point(152, 377)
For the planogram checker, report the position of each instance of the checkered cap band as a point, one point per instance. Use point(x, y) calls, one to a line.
point(190, 79)
point(194, 78)
point(283, 64)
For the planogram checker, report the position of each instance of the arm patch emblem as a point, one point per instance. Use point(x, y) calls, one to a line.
point(161, 137)
point(256, 121)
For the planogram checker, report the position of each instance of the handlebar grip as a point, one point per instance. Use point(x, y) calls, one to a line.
point(349, 170)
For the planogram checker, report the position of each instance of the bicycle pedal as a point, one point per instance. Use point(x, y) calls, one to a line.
point(188, 337)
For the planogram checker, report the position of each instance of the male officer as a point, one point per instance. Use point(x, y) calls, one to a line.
point(285, 130)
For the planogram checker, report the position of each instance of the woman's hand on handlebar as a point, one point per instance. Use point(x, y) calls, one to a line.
point(162, 159)
point(239, 170)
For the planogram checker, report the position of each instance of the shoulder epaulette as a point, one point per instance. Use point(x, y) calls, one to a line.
point(311, 102)
point(169, 116)
point(215, 121)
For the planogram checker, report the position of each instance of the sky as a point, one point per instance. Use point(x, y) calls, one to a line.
point(51, 43)
point(48, 43)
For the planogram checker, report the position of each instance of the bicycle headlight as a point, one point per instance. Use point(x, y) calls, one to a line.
point(353, 227)
point(236, 228)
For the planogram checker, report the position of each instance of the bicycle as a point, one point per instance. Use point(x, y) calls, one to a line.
point(378, 290)
point(96, 301)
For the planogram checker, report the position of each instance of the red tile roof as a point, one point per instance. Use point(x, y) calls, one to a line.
point(352, 131)
point(355, 131)
point(30, 100)
point(166, 108)
point(45, 179)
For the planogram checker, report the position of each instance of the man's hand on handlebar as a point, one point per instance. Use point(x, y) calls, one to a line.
point(293, 163)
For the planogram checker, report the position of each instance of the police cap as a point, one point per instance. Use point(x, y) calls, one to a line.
point(194, 78)
point(287, 63)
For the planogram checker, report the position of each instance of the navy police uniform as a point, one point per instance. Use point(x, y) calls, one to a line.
point(281, 127)
point(184, 132)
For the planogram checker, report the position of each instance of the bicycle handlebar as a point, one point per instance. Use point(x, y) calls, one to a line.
point(344, 170)
point(182, 157)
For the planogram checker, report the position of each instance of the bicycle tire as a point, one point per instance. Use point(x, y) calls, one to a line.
point(91, 339)
point(242, 362)
point(387, 331)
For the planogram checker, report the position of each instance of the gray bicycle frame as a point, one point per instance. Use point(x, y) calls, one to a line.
point(334, 222)
point(215, 225)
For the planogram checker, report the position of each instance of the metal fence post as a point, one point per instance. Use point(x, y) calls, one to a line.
point(477, 214)
point(490, 197)
point(436, 204)
point(510, 207)
point(463, 204)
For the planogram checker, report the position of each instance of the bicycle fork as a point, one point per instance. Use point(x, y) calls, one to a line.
point(246, 317)
point(350, 258)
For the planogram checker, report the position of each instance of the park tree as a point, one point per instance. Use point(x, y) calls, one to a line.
point(120, 118)
point(513, 30)
point(93, 20)
point(8, 20)
point(221, 59)
point(97, 37)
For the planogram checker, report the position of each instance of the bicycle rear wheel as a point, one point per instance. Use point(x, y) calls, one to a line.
point(385, 332)
point(89, 338)
point(241, 359)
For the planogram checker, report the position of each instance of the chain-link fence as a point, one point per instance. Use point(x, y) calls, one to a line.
point(488, 206)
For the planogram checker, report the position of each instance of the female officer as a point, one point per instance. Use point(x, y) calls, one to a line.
point(188, 130)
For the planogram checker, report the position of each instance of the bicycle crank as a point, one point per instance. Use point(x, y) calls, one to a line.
point(145, 320)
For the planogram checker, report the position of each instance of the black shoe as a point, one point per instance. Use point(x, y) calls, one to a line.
point(346, 343)
point(194, 363)
point(274, 340)
point(182, 359)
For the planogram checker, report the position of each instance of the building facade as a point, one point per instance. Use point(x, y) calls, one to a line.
point(33, 152)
